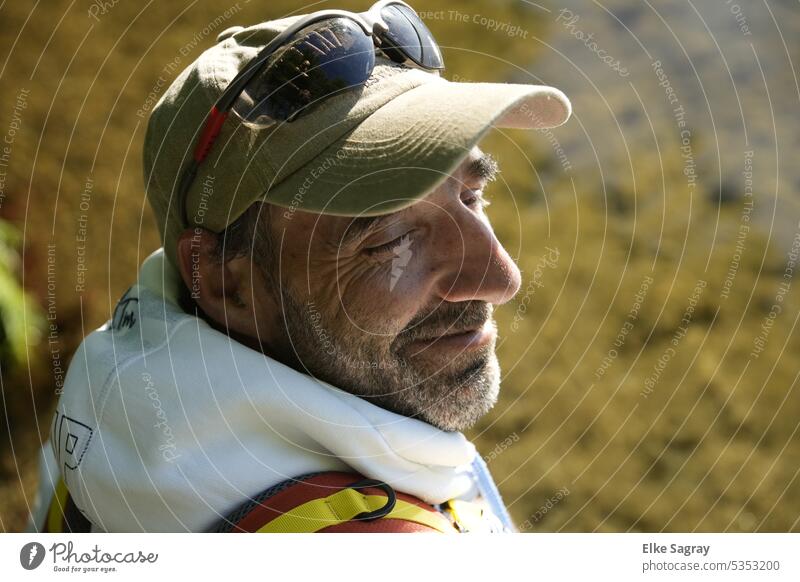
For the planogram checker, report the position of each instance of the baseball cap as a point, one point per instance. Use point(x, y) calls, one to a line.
point(366, 151)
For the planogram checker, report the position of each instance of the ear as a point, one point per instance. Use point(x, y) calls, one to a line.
point(230, 293)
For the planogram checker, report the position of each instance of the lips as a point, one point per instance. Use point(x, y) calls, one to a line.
point(454, 341)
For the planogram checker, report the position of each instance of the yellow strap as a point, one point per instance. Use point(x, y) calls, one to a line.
point(55, 515)
point(343, 506)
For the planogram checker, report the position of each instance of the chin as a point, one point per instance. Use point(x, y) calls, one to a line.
point(470, 396)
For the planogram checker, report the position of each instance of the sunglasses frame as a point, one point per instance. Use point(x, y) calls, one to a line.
point(371, 23)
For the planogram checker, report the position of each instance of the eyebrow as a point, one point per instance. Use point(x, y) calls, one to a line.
point(484, 167)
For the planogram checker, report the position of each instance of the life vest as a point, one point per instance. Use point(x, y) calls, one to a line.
point(323, 502)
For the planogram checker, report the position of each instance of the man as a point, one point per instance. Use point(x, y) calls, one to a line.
point(317, 329)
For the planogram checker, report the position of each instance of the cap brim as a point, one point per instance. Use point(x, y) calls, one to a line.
point(411, 144)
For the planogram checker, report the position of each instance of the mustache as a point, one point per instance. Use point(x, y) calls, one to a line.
point(447, 318)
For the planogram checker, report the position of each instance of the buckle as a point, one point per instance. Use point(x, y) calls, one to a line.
point(391, 499)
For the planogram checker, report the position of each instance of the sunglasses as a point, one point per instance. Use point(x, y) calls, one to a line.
point(318, 56)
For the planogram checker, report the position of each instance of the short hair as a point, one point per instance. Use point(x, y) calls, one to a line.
point(248, 235)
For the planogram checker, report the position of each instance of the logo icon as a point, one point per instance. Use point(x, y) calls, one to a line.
point(402, 255)
point(125, 313)
point(31, 555)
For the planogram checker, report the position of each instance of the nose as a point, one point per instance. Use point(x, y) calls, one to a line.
point(473, 265)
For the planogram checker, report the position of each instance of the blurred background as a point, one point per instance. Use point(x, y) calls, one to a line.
point(650, 359)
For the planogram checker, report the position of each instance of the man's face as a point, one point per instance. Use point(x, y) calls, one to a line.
point(396, 309)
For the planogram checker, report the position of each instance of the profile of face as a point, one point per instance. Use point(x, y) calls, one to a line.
point(396, 309)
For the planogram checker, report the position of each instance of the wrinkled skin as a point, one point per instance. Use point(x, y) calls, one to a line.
point(397, 310)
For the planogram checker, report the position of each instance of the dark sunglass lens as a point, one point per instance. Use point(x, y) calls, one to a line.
point(408, 33)
point(320, 60)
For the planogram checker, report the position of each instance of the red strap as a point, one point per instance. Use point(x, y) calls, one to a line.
point(210, 132)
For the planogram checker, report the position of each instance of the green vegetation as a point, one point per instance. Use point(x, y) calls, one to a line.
point(20, 319)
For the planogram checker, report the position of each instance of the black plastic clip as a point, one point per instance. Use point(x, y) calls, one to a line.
point(381, 511)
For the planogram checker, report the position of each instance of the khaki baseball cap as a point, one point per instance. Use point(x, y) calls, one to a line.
point(366, 151)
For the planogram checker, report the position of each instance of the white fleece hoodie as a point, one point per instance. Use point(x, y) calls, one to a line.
point(166, 424)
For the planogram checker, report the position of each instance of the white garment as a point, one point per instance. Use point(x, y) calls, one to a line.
point(166, 424)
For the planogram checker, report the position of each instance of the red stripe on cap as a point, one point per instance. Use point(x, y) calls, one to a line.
point(210, 132)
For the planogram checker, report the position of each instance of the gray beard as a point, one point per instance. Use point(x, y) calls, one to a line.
point(449, 399)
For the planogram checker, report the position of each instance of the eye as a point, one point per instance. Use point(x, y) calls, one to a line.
point(395, 246)
point(474, 199)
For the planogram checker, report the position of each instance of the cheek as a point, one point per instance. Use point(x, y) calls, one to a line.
point(371, 296)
